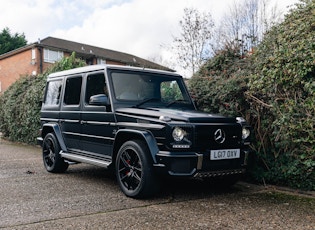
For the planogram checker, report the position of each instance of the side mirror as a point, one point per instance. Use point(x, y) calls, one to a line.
point(40, 103)
point(99, 100)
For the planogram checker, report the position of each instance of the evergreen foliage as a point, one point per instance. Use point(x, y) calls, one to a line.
point(20, 103)
point(282, 97)
point(9, 42)
point(274, 89)
point(220, 84)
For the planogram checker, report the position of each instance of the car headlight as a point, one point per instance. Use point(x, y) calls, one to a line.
point(178, 134)
point(245, 133)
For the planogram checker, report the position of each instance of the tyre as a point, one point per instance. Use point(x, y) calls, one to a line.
point(134, 170)
point(53, 162)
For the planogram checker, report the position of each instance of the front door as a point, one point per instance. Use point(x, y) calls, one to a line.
point(97, 122)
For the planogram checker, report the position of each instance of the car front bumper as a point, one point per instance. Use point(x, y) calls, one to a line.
point(193, 164)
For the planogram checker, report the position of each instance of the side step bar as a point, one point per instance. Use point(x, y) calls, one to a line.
point(83, 159)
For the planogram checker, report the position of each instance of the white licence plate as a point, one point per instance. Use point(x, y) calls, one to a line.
point(223, 154)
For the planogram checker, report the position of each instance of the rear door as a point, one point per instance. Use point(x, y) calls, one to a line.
point(70, 112)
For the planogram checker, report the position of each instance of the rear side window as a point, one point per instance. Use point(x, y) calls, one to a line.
point(53, 93)
point(73, 91)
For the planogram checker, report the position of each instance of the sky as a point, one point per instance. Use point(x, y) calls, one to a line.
point(139, 27)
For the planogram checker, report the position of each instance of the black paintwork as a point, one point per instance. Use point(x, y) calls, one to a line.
point(94, 132)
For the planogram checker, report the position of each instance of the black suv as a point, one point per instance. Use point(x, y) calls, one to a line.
point(141, 123)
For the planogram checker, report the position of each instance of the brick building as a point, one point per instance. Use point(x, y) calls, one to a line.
point(35, 58)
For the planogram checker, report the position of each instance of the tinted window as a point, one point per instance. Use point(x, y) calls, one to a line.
point(145, 89)
point(140, 86)
point(136, 86)
point(53, 93)
point(73, 91)
point(95, 85)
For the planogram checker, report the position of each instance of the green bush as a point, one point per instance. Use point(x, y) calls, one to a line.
point(20, 103)
point(274, 89)
point(282, 95)
point(219, 86)
point(218, 95)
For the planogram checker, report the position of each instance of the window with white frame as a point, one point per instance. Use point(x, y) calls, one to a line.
point(101, 61)
point(52, 56)
point(33, 54)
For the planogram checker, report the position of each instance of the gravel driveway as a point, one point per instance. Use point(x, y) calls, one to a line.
point(87, 197)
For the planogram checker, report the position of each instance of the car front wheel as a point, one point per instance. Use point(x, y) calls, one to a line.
point(134, 170)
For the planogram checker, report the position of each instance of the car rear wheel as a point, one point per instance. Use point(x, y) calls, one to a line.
point(134, 170)
point(53, 162)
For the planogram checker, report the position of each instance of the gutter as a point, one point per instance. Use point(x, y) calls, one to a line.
point(18, 50)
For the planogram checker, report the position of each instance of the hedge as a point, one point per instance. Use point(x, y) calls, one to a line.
point(275, 90)
point(20, 104)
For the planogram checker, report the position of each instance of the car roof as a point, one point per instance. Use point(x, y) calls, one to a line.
point(102, 67)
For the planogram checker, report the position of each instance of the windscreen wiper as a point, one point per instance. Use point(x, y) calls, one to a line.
point(176, 101)
point(147, 100)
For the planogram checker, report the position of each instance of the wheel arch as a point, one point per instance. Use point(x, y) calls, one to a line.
point(124, 135)
point(54, 128)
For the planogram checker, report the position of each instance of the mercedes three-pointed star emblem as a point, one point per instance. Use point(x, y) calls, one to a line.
point(219, 136)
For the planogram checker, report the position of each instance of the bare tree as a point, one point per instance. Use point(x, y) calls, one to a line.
point(193, 47)
point(243, 27)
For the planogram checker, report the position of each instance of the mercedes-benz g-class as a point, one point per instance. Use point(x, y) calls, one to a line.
point(141, 123)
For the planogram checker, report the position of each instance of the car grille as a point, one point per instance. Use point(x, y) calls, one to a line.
point(205, 136)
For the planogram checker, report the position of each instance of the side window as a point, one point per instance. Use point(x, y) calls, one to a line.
point(95, 84)
point(73, 91)
point(53, 93)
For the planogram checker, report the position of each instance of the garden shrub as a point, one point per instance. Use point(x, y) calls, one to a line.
point(282, 95)
point(274, 89)
point(20, 103)
point(219, 86)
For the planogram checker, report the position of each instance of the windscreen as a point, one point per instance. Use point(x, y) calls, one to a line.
point(138, 87)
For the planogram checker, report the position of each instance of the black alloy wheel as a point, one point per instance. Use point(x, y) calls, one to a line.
point(53, 162)
point(134, 170)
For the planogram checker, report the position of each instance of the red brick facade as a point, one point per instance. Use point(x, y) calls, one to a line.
point(29, 60)
point(13, 67)
point(25, 62)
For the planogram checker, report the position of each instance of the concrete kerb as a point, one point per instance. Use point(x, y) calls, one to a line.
point(280, 189)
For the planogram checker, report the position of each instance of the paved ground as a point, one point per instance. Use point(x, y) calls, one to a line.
point(87, 197)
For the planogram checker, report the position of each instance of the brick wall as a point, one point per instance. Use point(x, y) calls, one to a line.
point(13, 67)
point(22, 64)
point(109, 62)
